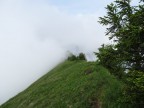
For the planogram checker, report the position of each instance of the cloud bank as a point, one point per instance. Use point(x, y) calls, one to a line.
point(35, 36)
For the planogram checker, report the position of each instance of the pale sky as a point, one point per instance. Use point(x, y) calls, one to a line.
point(36, 34)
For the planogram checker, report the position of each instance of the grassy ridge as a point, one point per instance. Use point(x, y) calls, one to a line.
point(71, 85)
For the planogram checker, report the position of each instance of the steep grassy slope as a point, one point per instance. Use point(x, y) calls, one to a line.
point(70, 85)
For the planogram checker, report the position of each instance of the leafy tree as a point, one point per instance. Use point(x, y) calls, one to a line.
point(109, 57)
point(134, 92)
point(125, 26)
point(81, 56)
point(72, 57)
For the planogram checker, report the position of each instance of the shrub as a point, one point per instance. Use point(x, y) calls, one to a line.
point(72, 58)
point(109, 57)
point(134, 90)
point(81, 56)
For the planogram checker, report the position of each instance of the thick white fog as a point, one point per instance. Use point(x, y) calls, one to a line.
point(35, 36)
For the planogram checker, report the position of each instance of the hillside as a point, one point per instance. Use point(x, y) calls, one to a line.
point(72, 84)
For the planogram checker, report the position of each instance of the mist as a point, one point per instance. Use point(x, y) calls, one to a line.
point(35, 36)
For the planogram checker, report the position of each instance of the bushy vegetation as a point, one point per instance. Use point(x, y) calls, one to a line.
point(126, 56)
point(72, 84)
point(73, 57)
point(81, 56)
point(109, 57)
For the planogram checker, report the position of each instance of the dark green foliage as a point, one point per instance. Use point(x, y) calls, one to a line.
point(73, 57)
point(81, 56)
point(68, 86)
point(134, 91)
point(125, 26)
point(110, 58)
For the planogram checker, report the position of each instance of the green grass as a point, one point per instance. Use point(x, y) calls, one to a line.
point(72, 84)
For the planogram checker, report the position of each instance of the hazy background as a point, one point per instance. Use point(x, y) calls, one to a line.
point(36, 34)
